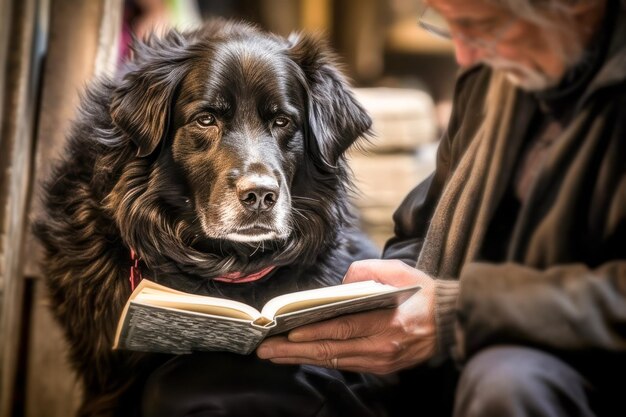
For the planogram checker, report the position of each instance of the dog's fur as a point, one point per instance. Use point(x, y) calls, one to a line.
point(219, 151)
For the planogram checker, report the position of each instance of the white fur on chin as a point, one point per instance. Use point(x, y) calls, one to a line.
point(251, 238)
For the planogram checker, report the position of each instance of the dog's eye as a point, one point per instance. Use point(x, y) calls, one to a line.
point(205, 120)
point(281, 121)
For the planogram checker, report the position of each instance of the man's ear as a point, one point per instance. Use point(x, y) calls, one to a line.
point(140, 105)
point(335, 118)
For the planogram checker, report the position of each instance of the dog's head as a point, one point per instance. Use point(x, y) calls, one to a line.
point(240, 138)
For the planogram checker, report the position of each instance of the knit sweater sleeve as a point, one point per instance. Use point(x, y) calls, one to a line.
point(565, 308)
point(446, 300)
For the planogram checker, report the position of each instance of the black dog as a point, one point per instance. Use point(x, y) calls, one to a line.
point(218, 159)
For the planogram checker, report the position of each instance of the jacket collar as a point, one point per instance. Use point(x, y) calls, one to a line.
point(613, 71)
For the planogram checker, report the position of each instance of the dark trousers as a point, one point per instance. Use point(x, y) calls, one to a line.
point(516, 381)
point(223, 384)
point(507, 381)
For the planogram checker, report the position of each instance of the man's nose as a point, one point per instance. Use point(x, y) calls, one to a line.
point(466, 55)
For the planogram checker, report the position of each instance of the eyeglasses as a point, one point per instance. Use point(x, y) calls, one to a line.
point(485, 35)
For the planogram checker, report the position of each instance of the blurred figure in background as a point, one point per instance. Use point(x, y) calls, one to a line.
point(519, 236)
point(143, 17)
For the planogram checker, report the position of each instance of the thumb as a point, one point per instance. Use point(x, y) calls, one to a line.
point(386, 271)
point(361, 271)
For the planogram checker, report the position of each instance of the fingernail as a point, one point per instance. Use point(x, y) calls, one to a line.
point(295, 336)
point(263, 352)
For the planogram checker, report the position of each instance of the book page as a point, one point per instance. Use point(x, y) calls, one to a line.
point(150, 293)
point(288, 321)
point(197, 303)
point(288, 303)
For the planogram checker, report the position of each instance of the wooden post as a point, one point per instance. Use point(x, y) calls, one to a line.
point(24, 49)
point(84, 38)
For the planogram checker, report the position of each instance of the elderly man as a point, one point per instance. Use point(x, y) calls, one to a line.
point(519, 236)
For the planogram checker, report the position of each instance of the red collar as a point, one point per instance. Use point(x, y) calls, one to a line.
point(232, 278)
point(135, 272)
point(238, 277)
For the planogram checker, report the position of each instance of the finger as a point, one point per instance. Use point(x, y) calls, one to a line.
point(387, 271)
point(353, 364)
point(267, 348)
point(317, 351)
point(328, 363)
point(323, 350)
point(361, 271)
point(369, 363)
point(345, 327)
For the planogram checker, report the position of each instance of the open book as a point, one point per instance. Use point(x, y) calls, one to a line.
point(160, 319)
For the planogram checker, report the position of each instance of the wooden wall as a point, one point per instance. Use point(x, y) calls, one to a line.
point(78, 40)
point(20, 55)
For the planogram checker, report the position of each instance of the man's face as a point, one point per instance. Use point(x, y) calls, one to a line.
point(532, 57)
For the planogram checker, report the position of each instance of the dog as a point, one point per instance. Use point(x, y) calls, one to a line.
point(215, 165)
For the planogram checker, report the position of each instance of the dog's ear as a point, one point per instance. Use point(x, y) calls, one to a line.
point(335, 118)
point(140, 105)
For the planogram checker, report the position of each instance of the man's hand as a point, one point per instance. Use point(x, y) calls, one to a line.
point(378, 341)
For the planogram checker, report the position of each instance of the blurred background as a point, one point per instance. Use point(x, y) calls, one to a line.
point(50, 49)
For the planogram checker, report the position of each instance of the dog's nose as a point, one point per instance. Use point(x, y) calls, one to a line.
point(258, 199)
point(257, 193)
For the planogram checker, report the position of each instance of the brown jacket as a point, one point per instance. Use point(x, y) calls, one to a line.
point(562, 286)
